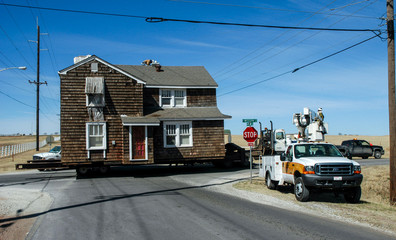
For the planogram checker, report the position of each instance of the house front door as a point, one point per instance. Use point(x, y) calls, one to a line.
point(138, 143)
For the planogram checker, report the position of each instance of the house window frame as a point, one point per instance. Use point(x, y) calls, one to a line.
point(178, 134)
point(173, 98)
point(89, 135)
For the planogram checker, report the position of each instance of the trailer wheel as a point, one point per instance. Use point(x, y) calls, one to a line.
point(82, 171)
point(353, 195)
point(104, 169)
point(300, 190)
point(270, 183)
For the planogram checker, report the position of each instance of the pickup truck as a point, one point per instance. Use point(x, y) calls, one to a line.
point(313, 166)
point(360, 148)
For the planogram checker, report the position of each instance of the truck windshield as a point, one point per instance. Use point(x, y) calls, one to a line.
point(316, 150)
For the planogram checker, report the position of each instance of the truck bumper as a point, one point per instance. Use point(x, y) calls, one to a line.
point(334, 182)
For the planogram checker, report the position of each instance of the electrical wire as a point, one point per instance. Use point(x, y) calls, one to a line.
point(16, 99)
point(160, 19)
point(272, 9)
point(296, 69)
point(283, 50)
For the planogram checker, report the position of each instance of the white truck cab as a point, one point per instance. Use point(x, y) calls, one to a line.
point(310, 165)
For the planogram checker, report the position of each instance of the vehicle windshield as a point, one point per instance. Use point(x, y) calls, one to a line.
point(316, 150)
point(55, 149)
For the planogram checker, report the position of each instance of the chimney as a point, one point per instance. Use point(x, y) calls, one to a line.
point(158, 67)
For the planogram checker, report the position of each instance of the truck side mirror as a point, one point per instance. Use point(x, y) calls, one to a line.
point(282, 157)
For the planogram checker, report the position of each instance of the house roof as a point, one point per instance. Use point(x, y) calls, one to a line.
point(172, 76)
point(168, 77)
point(176, 114)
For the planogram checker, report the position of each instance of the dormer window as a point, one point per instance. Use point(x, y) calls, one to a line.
point(173, 98)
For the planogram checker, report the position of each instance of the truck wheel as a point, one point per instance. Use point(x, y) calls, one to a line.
point(300, 190)
point(377, 154)
point(353, 195)
point(270, 184)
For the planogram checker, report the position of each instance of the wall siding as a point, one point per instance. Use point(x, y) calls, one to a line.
point(208, 144)
point(123, 95)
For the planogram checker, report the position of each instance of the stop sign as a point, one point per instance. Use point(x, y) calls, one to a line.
point(250, 134)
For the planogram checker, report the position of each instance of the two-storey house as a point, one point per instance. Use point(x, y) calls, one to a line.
point(138, 114)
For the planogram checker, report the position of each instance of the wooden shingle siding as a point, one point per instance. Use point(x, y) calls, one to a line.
point(208, 144)
point(123, 95)
point(201, 97)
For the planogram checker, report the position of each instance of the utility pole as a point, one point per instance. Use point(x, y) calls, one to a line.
point(391, 99)
point(38, 83)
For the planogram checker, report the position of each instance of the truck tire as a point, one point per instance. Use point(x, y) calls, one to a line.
point(300, 190)
point(353, 195)
point(377, 154)
point(270, 183)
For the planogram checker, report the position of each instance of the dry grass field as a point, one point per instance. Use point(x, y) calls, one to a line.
point(7, 164)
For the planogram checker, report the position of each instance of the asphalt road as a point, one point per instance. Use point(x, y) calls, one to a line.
point(157, 203)
point(372, 161)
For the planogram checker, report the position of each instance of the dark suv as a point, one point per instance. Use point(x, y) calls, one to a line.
point(360, 148)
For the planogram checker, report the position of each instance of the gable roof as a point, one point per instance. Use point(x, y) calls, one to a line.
point(168, 77)
point(172, 76)
point(93, 58)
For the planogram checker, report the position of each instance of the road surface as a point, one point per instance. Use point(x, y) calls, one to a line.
point(163, 203)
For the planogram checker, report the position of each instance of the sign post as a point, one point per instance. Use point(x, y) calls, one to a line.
point(250, 135)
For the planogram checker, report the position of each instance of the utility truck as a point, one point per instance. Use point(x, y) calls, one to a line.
point(309, 164)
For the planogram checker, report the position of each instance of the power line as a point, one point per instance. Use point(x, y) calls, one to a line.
point(278, 53)
point(296, 69)
point(16, 99)
point(159, 19)
point(272, 9)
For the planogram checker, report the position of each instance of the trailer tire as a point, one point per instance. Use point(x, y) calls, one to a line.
point(300, 190)
point(270, 183)
point(104, 169)
point(353, 195)
point(82, 171)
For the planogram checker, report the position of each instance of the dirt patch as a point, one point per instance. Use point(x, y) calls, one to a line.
point(17, 229)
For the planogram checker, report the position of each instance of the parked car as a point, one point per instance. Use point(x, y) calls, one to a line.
point(53, 154)
point(360, 148)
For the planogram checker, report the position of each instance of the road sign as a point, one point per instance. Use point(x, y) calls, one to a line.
point(249, 122)
point(250, 134)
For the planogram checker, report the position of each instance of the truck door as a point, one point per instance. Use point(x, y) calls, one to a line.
point(287, 165)
point(356, 148)
point(366, 148)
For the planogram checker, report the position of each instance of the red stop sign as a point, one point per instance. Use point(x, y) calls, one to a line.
point(250, 134)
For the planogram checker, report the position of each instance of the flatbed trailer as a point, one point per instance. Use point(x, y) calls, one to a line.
point(41, 165)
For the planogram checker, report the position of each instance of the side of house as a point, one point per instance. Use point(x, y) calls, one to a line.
point(135, 114)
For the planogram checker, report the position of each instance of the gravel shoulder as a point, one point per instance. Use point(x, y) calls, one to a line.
point(17, 203)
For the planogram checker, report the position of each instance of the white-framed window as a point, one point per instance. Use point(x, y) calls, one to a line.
point(96, 135)
point(173, 98)
point(178, 134)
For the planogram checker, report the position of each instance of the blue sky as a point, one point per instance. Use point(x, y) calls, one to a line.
point(351, 87)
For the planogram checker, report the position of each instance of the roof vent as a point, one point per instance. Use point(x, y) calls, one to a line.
point(80, 58)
